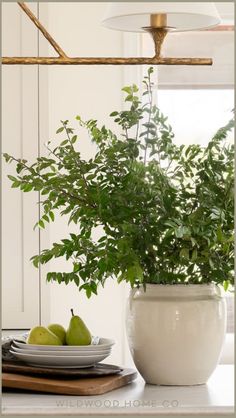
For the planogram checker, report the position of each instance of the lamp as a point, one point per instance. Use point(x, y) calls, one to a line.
point(157, 18)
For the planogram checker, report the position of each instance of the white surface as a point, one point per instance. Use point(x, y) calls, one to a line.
point(217, 396)
point(228, 353)
point(183, 16)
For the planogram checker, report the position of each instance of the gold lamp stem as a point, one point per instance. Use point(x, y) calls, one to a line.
point(158, 29)
point(158, 36)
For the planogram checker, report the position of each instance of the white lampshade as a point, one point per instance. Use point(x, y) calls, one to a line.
point(184, 16)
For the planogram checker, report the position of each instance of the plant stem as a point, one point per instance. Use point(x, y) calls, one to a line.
point(149, 117)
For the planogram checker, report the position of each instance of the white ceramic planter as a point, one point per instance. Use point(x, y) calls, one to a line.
point(176, 332)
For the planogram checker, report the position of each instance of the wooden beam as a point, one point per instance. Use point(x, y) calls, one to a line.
point(104, 61)
point(42, 30)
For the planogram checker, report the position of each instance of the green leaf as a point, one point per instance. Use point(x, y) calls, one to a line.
point(12, 178)
point(35, 261)
point(41, 224)
point(190, 269)
point(226, 284)
point(134, 272)
point(120, 278)
point(45, 218)
point(59, 277)
point(76, 279)
point(51, 214)
point(184, 253)
point(7, 157)
point(102, 265)
point(179, 232)
point(74, 139)
point(91, 176)
point(49, 277)
point(211, 263)
point(15, 184)
point(28, 188)
point(77, 267)
point(60, 130)
point(93, 287)
point(127, 89)
point(88, 292)
point(194, 255)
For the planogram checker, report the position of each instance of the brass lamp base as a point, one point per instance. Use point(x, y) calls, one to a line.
point(158, 36)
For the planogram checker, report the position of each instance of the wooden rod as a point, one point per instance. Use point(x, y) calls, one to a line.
point(104, 61)
point(42, 30)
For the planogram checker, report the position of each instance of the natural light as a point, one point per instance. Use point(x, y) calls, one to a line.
point(196, 114)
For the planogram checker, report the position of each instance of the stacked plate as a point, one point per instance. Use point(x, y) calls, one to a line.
point(63, 356)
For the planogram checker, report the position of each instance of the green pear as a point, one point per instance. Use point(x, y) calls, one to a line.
point(42, 336)
point(59, 331)
point(77, 333)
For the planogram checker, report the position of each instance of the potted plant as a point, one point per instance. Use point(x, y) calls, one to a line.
point(166, 215)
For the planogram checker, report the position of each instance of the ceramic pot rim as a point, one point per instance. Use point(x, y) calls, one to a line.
point(153, 290)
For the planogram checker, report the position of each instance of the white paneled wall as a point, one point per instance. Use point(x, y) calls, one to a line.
point(20, 280)
point(92, 92)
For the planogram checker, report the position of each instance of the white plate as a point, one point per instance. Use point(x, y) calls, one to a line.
point(61, 353)
point(60, 361)
point(60, 367)
point(104, 343)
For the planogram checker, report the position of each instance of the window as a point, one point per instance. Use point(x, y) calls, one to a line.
point(196, 114)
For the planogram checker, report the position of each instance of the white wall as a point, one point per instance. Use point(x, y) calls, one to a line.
point(20, 280)
point(92, 92)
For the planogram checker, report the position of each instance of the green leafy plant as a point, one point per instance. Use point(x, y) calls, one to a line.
point(165, 211)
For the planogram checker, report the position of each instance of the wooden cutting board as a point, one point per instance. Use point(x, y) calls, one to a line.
point(99, 369)
point(86, 387)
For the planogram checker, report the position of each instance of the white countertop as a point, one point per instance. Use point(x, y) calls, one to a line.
point(217, 396)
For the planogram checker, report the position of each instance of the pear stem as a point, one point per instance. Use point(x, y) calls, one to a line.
point(72, 312)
